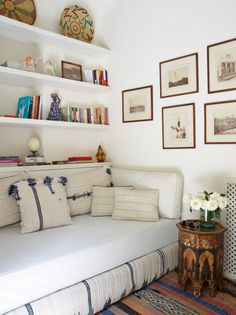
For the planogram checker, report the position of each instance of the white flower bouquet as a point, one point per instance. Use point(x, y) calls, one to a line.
point(213, 202)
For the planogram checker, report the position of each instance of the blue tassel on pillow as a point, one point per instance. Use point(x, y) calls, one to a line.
point(109, 173)
point(13, 191)
point(31, 181)
point(63, 180)
point(48, 182)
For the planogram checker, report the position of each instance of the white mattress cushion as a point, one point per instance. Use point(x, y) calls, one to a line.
point(79, 188)
point(136, 204)
point(9, 209)
point(42, 203)
point(103, 200)
point(36, 264)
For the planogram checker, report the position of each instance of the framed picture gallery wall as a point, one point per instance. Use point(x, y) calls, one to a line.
point(179, 76)
point(137, 104)
point(221, 66)
point(178, 126)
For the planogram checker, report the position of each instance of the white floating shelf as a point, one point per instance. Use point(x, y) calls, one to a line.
point(22, 32)
point(12, 169)
point(21, 122)
point(31, 79)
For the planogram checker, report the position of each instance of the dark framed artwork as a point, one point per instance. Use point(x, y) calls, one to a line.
point(179, 76)
point(71, 71)
point(137, 104)
point(220, 122)
point(221, 66)
point(178, 127)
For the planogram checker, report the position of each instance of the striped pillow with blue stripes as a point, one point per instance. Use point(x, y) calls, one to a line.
point(43, 203)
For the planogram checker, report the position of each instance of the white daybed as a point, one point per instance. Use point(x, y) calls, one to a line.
point(84, 267)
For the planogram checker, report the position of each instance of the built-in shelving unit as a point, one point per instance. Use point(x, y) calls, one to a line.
point(25, 78)
point(22, 32)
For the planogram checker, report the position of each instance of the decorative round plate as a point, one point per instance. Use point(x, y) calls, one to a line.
point(21, 10)
point(77, 23)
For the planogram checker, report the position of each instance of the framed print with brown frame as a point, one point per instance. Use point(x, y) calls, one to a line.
point(178, 127)
point(71, 71)
point(220, 122)
point(221, 66)
point(137, 104)
point(179, 76)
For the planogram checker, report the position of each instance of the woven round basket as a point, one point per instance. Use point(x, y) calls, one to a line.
point(21, 10)
point(77, 23)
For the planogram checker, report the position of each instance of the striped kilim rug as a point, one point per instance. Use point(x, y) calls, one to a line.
point(164, 296)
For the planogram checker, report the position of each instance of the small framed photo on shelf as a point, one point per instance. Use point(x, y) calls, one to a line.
point(221, 66)
point(178, 126)
point(137, 104)
point(71, 71)
point(179, 76)
point(220, 122)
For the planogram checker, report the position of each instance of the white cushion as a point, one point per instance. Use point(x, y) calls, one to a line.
point(9, 209)
point(169, 184)
point(79, 188)
point(103, 200)
point(42, 203)
point(136, 204)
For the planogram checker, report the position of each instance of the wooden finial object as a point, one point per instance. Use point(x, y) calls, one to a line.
point(101, 155)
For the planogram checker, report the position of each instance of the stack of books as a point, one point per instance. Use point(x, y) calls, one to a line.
point(96, 77)
point(34, 159)
point(76, 160)
point(79, 159)
point(30, 107)
point(31, 160)
point(9, 160)
point(92, 115)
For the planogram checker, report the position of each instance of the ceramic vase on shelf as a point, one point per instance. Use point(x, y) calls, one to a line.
point(207, 219)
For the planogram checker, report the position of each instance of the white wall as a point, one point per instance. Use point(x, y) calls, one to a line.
point(141, 34)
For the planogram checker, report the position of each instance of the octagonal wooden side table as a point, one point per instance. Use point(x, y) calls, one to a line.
point(201, 258)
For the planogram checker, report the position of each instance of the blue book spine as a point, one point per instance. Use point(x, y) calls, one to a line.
point(23, 106)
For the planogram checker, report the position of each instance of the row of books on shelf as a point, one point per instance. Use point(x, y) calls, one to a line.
point(8, 160)
point(30, 107)
point(96, 77)
point(91, 115)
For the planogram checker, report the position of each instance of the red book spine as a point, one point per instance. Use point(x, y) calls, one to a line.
point(11, 116)
point(80, 158)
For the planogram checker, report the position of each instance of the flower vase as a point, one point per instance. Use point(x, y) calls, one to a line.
point(207, 219)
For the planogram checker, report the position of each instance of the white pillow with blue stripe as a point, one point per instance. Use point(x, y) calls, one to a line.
point(80, 185)
point(43, 203)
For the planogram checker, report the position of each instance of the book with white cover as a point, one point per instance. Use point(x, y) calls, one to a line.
point(34, 159)
point(88, 76)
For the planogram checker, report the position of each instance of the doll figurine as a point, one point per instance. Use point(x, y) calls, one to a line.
point(55, 113)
